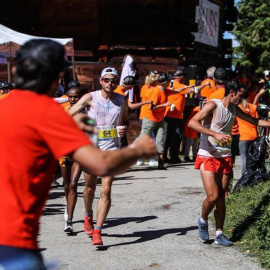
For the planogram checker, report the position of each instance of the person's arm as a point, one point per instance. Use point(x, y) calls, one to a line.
point(84, 101)
point(179, 90)
point(153, 107)
point(257, 97)
point(103, 163)
point(200, 87)
point(133, 106)
point(250, 119)
point(61, 100)
point(195, 123)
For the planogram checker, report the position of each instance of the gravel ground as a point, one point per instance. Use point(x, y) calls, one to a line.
point(152, 224)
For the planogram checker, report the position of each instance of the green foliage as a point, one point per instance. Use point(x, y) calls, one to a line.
point(248, 221)
point(252, 31)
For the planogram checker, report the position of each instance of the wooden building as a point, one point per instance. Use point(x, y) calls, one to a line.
point(154, 32)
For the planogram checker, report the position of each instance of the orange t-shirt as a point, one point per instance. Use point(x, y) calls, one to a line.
point(158, 97)
point(189, 132)
point(178, 99)
point(66, 103)
point(120, 90)
point(207, 91)
point(219, 94)
point(145, 95)
point(248, 132)
point(34, 132)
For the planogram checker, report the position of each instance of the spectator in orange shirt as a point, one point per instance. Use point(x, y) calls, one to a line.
point(153, 117)
point(248, 132)
point(146, 90)
point(128, 83)
point(210, 89)
point(220, 78)
point(174, 117)
point(174, 114)
point(43, 133)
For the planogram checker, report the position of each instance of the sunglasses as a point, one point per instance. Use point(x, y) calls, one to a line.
point(107, 80)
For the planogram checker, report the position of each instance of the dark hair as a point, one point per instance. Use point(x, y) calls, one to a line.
point(233, 85)
point(38, 64)
point(80, 92)
point(73, 84)
point(220, 75)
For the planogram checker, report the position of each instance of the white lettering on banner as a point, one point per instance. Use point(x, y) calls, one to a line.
point(207, 18)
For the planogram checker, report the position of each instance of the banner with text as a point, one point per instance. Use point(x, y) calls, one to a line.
point(207, 18)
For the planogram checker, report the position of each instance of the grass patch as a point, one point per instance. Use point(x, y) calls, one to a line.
point(248, 221)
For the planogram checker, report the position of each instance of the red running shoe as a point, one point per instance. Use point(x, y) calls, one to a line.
point(96, 238)
point(88, 225)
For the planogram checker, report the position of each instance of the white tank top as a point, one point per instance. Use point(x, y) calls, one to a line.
point(108, 114)
point(222, 123)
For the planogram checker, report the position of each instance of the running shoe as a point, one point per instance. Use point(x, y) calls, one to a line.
point(223, 240)
point(66, 214)
point(153, 163)
point(203, 230)
point(68, 227)
point(140, 162)
point(96, 238)
point(88, 225)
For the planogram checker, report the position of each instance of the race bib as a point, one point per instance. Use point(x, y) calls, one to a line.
point(107, 134)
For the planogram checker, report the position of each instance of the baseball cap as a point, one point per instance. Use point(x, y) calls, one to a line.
point(130, 80)
point(109, 70)
point(163, 77)
point(47, 53)
point(220, 75)
point(179, 73)
point(266, 73)
point(153, 72)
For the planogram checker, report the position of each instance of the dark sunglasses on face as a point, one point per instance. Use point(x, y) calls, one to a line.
point(107, 80)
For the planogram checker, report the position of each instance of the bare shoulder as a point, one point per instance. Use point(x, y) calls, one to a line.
point(209, 105)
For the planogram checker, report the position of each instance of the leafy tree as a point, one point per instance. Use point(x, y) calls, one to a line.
point(252, 31)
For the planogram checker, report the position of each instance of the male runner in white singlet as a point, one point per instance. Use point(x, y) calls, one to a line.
point(110, 110)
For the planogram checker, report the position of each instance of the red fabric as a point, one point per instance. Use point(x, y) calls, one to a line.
point(158, 97)
point(34, 132)
point(235, 127)
point(216, 165)
point(189, 132)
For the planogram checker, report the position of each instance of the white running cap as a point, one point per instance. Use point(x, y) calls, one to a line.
point(109, 70)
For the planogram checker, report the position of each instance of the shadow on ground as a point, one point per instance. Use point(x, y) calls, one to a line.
point(144, 236)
